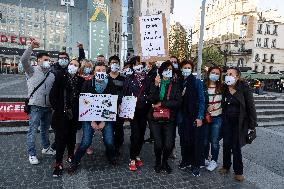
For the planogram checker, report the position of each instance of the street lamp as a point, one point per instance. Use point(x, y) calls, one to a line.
point(200, 47)
point(125, 40)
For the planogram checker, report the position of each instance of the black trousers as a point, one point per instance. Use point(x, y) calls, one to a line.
point(231, 145)
point(164, 139)
point(65, 136)
point(138, 128)
point(118, 132)
point(191, 142)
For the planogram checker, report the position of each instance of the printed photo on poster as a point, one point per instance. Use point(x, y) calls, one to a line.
point(127, 108)
point(97, 107)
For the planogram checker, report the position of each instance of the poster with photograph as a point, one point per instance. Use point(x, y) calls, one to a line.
point(97, 107)
point(127, 108)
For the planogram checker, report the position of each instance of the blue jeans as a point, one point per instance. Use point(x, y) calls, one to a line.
point(87, 138)
point(212, 134)
point(39, 116)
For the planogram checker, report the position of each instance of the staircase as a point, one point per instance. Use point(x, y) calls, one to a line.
point(270, 111)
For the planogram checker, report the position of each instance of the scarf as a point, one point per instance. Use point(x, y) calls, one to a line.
point(140, 78)
point(100, 86)
point(163, 85)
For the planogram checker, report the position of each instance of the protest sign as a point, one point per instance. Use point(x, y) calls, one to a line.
point(127, 108)
point(97, 107)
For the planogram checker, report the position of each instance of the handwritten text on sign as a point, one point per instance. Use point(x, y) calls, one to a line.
point(152, 35)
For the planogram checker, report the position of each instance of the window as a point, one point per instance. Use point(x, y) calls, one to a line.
point(264, 57)
point(272, 58)
point(263, 69)
point(256, 68)
point(266, 42)
point(259, 29)
point(271, 69)
point(243, 33)
point(275, 28)
point(273, 45)
point(267, 29)
point(257, 58)
point(258, 42)
point(244, 20)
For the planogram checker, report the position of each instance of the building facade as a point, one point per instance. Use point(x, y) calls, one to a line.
point(233, 26)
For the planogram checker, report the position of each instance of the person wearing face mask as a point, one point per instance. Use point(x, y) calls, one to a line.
point(39, 81)
point(64, 98)
point(164, 93)
point(176, 64)
point(239, 119)
point(61, 65)
point(213, 97)
point(127, 70)
point(191, 116)
point(118, 81)
point(87, 73)
point(100, 84)
point(137, 85)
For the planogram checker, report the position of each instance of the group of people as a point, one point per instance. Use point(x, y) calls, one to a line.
point(169, 98)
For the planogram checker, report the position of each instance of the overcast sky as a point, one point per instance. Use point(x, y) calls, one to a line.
point(185, 10)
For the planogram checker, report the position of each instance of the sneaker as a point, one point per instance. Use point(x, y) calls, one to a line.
point(212, 166)
point(139, 162)
point(132, 166)
point(149, 140)
point(58, 169)
point(223, 171)
point(33, 160)
point(72, 169)
point(195, 172)
point(167, 168)
point(158, 168)
point(239, 178)
point(48, 151)
point(90, 151)
point(183, 165)
point(69, 159)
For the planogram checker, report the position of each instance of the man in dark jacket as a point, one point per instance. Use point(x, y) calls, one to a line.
point(98, 85)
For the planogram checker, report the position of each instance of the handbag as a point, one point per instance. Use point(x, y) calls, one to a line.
point(251, 136)
point(27, 107)
point(161, 113)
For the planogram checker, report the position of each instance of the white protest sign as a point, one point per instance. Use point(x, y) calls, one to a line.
point(97, 107)
point(152, 36)
point(127, 108)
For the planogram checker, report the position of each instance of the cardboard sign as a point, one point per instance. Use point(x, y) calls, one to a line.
point(97, 107)
point(12, 111)
point(127, 108)
point(153, 37)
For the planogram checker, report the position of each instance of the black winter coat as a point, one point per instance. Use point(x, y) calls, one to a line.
point(247, 117)
point(173, 103)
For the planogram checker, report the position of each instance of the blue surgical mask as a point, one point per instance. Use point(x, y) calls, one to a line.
point(175, 65)
point(214, 77)
point(72, 69)
point(186, 72)
point(63, 63)
point(168, 73)
point(45, 65)
point(114, 67)
point(87, 71)
point(230, 80)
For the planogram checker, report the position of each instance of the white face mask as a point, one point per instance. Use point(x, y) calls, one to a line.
point(127, 71)
point(138, 69)
point(186, 72)
point(72, 69)
point(167, 73)
point(45, 65)
point(100, 76)
point(230, 80)
point(114, 67)
point(175, 65)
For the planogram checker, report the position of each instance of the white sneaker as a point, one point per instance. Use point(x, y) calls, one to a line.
point(212, 166)
point(207, 162)
point(48, 151)
point(33, 160)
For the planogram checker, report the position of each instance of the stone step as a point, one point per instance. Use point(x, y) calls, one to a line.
point(269, 111)
point(269, 106)
point(271, 124)
point(13, 123)
point(269, 118)
point(277, 101)
point(264, 97)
